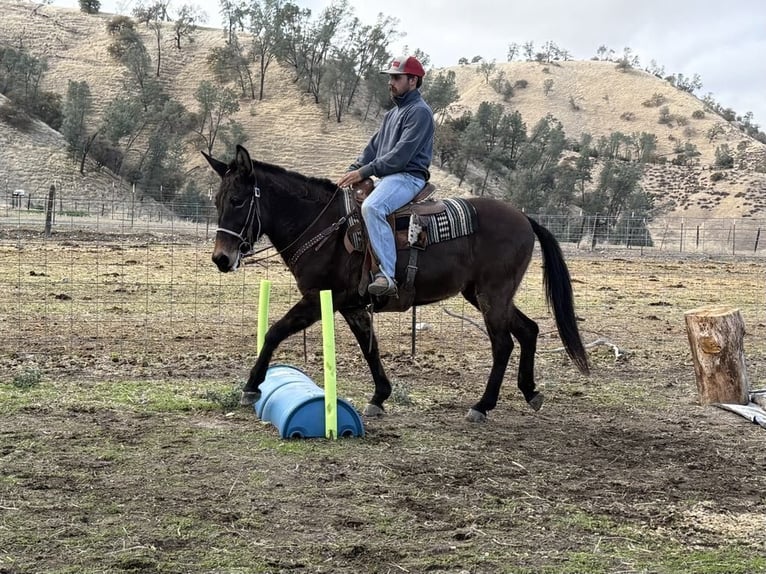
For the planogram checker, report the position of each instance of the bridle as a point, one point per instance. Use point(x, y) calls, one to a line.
point(245, 235)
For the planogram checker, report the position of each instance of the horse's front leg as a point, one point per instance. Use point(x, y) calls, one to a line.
point(302, 315)
point(361, 326)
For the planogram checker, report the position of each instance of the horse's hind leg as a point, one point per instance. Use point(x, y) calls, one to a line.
point(361, 326)
point(526, 330)
point(497, 322)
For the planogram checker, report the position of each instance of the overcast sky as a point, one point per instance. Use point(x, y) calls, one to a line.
point(723, 42)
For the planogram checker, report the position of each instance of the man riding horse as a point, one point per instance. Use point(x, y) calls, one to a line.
point(399, 155)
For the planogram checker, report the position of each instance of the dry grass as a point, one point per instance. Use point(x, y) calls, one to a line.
point(115, 458)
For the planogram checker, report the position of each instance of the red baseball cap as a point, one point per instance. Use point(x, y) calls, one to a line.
point(405, 65)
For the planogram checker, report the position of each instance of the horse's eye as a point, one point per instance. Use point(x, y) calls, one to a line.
point(237, 202)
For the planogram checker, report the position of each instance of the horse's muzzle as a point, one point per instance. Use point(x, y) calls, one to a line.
point(226, 260)
point(223, 262)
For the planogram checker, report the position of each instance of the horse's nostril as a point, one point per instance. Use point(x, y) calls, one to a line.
point(221, 261)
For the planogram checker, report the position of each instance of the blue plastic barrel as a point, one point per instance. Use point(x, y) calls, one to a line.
point(294, 404)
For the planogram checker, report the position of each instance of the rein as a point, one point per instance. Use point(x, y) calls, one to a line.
point(254, 212)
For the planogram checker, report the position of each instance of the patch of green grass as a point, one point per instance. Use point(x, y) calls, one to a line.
point(27, 379)
point(729, 559)
point(226, 399)
point(633, 548)
point(142, 396)
point(400, 394)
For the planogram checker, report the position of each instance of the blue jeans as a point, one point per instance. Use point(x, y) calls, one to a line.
point(391, 192)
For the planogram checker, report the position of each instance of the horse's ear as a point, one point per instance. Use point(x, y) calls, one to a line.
point(219, 167)
point(243, 160)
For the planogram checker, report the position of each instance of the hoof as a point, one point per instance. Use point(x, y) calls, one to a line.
point(249, 398)
point(475, 416)
point(373, 411)
point(536, 403)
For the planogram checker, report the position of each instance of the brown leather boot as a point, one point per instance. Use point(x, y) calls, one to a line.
point(382, 286)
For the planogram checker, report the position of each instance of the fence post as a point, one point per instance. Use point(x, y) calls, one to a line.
point(681, 246)
point(49, 210)
point(593, 235)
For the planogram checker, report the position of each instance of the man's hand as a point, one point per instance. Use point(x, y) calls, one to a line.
point(349, 178)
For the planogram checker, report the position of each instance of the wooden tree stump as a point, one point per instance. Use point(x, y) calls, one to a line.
point(715, 335)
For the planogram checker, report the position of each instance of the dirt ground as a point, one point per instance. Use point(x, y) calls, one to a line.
point(125, 460)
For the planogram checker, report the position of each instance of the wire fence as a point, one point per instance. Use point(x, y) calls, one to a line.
point(114, 293)
point(127, 213)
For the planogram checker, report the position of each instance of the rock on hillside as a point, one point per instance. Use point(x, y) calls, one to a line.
point(288, 129)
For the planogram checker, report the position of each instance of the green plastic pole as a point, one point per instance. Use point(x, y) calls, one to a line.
point(328, 347)
point(263, 313)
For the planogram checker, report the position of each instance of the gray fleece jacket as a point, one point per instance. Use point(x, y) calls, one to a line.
point(404, 142)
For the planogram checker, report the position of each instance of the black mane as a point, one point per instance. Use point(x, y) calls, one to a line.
point(316, 188)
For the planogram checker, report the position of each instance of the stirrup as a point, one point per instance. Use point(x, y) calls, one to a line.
point(379, 289)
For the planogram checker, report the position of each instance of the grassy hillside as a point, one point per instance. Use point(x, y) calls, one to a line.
point(287, 128)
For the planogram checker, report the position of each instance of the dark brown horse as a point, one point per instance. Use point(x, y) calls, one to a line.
point(300, 216)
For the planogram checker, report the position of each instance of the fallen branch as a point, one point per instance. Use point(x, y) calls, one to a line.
point(467, 320)
point(597, 343)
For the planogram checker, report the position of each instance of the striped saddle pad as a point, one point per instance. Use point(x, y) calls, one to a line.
point(457, 219)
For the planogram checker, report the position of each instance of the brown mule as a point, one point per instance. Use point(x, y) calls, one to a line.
point(303, 217)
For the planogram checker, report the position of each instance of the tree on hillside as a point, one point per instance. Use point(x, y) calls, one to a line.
point(292, 48)
point(322, 37)
point(116, 26)
point(534, 185)
point(486, 69)
point(186, 22)
point(21, 75)
point(129, 50)
point(77, 108)
point(90, 6)
point(232, 135)
point(265, 23)
point(360, 54)
point(604, 53)
point(529, 51)
point(646, 146)
point(446, 143)
point(513, 134)
point(583, 167)
point(472, 147)
point(441, 92)
point(161, 167)
point(153, 15)
point(685, 84)
point(338, 79)
point(550, 52)
point(230, 63)
point(215, 105)
point(234, 14)
point(618, 181)
point(306, 44)
point(628, 60)
point(123, 122)
point(543, 146)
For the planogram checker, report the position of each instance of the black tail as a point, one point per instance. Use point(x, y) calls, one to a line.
point(558, 292)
